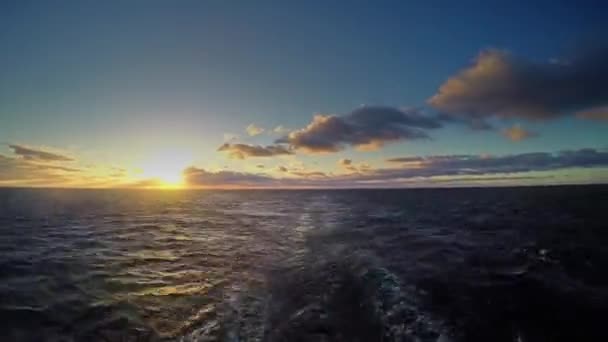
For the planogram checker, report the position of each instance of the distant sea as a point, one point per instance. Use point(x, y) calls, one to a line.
point(485, 264)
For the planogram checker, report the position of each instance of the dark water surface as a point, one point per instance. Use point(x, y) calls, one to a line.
point(502, 264)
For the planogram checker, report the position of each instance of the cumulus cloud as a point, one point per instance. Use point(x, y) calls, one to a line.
point(243, 151)
point(366, 128)
point(598, 114)
point(518, 133)
point(254, 130)
point(501, 85)
point(30, 153)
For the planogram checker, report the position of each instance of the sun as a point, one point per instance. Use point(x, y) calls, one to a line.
point(167, 168)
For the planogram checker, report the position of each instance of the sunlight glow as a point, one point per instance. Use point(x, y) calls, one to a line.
point(167, 167)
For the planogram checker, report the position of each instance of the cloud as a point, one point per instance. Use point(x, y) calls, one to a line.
point(499, 84)
point(365, 167)
point(30, 153)
point(144, 183)
point(597, 113)
point(309, 174)
point(260, 166)
point(282, 169)
point(254, 130)
point(21, 171)
point(405, 160)
point(56, 167)
point(485, 179)
point(485, 164)
point(37, 167)
point(349, 165)
point(243, 151)
point(230, 137)
point(201, 177)
point(281, 130)
point(427, 170)
point(345, 162)
point(517, 133)
point(365, 128)
point(478, 124)
point(198, 177)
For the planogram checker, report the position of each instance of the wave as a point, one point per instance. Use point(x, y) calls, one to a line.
point(321, 297)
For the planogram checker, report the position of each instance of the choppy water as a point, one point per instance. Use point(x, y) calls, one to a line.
point(508, 264)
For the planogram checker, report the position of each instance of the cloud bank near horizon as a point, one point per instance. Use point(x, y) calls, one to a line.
point(406, 170)
point(400, 171)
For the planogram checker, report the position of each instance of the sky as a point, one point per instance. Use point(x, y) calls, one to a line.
point(233, 94)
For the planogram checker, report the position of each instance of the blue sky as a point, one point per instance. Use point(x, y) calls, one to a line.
point(112, 82)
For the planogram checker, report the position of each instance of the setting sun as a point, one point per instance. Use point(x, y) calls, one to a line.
point(166, 167)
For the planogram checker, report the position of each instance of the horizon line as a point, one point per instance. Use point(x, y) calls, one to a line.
point(468, 186)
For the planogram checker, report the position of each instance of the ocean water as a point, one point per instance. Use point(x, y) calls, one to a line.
point(491, 264)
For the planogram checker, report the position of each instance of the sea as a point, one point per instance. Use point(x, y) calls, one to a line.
point(518, 264)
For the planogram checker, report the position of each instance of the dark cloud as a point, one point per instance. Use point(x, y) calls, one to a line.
point(493, 179)
point(426, 159)
point(367, 128)
point(201, 177)
point(405, 160)
point(475, 123)
point(30, 153)
point(518, 133)
point(282, 169)
point(345, 162)
point(502, 85)
point(242, 151)
point(483, 164)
